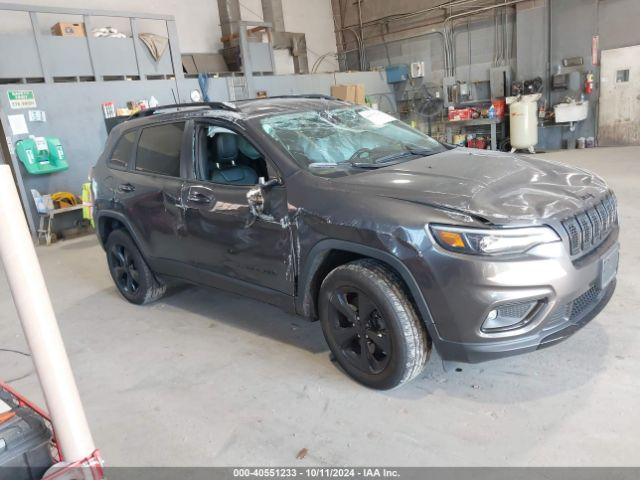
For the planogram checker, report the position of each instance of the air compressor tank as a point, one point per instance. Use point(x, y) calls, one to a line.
point(523, 119)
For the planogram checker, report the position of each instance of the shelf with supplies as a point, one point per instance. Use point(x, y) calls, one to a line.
point(490, 124)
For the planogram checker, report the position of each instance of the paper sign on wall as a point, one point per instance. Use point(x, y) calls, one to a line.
point(21, 99)
point(37, 116)
point(18, 124)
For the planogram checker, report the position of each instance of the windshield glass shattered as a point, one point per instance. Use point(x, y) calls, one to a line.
point(353, 137)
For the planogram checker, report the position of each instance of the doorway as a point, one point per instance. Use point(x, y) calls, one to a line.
point(619, 118)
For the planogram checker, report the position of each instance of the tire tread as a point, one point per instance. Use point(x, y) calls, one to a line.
point(154, 288)
point(414, 331)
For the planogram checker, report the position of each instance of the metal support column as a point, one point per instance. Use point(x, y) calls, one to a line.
point(9, 158)
point(97, 75)
point(136, 45)
point(247, 66)
point(35, 26)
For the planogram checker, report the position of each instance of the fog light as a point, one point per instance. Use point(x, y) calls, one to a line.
point(508, 317)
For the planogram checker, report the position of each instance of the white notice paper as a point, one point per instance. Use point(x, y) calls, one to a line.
point(18, 124)
point(37, 116)
point(377, 117)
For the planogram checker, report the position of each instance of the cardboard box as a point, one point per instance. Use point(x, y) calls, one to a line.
point(65, 29)
point(360, 97)
point(349, 93)
point(343, 92)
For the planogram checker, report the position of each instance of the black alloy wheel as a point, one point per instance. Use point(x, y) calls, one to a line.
point(371, 325)
point(125, 272)
point(359, 330)
point(129, 270)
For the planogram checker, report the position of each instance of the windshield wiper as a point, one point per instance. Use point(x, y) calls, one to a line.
point(323, 165)
point(378, 164)
point(393, 158)
point(419, 150)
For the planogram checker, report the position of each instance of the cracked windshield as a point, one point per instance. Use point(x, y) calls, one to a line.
point(348, 138)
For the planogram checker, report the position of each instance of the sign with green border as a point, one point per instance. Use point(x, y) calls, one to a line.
point(21, 99)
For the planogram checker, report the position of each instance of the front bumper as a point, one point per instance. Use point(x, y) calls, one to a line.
point(479, 352)
point(464, 288)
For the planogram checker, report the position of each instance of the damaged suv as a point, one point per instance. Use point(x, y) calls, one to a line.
point(341, 213)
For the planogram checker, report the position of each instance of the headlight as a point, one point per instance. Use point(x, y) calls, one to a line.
point(492, 241)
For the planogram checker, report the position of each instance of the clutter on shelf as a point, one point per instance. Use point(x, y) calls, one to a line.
point(50, 206)
point(156, 44)
point(107, 32)
point(113, 114)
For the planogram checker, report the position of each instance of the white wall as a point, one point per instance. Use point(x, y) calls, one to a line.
point(312, 17)
point(199, 24)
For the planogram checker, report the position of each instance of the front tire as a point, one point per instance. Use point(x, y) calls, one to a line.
point(371, 325)
point(131, 274)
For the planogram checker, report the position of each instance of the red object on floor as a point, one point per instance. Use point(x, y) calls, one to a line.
point(93, 463)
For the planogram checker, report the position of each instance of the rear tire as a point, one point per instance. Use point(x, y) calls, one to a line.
point(131, 274)
point(371, 325)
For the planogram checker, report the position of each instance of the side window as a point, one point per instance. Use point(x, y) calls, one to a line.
point(227, 157)
point(122, 153)
point(159, 149)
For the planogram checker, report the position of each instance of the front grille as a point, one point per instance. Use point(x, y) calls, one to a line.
point(575, 309)
point(584, 302)
point(590, 228)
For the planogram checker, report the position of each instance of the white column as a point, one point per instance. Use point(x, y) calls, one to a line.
point(32, 302)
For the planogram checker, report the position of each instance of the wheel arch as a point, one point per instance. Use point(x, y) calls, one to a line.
point(329, 254)
point(106, 222)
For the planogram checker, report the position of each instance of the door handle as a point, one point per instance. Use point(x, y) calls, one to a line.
point(126, 187)
point(199, 198)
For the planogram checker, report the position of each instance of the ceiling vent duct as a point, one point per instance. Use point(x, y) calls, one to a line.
point(296, 43)
point(229, 11)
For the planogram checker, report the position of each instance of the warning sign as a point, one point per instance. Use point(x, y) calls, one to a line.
point(21, 99)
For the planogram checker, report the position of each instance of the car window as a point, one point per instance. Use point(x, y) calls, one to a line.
point(227, 157)
point(159, 149)
point(122, 153)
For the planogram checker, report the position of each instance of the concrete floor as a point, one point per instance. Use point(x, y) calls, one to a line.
point(209, 378)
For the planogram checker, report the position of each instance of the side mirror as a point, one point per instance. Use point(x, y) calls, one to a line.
point(267, 185)
point(255, 196)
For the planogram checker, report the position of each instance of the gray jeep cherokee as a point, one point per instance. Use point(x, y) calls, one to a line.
point(336, 212)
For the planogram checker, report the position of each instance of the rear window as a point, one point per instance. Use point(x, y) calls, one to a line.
point(159, 149)
point(122, 153)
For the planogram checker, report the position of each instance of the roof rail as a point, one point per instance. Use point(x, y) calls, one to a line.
point(319, 96)
point(212, 105)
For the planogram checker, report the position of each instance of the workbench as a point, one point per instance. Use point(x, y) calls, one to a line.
point(476, 122)
point(46, 220)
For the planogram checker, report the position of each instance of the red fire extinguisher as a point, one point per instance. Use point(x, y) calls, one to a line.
point(588, 83)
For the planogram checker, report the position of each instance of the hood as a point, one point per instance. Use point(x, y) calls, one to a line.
point(498, 187)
